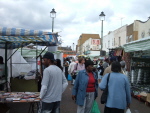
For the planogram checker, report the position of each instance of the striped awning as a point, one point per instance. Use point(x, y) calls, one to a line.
point(138, 45)
point(16, 37)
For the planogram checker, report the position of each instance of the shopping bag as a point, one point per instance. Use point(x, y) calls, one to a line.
point(128, 111)
point(69, 77)
point(95, 108)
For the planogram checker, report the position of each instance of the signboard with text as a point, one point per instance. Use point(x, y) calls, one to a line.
point(95, 41)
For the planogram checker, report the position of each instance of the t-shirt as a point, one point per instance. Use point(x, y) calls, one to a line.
point(91, 83)
point(53, 79)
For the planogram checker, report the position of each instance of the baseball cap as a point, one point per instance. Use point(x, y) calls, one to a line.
point(49, 55)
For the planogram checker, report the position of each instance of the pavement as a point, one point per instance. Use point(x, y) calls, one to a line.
point(69, 106)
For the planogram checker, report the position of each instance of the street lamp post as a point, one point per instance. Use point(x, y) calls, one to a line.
point(102, 18)
point(53, 15)
point(73, 47)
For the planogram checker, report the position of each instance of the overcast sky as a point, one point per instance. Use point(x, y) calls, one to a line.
point(73, 17)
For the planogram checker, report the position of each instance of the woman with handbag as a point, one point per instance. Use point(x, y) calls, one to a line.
point(119, 96)
point(85, 88)
point(78, 67)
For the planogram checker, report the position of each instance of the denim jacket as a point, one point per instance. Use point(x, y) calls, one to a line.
point(80, 86)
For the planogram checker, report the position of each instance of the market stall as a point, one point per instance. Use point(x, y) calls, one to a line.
point(32, 98)
point(140, 68)
point(15, 38)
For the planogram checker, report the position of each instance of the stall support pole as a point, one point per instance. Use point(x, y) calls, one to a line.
point(6, 65)
point(36, 61)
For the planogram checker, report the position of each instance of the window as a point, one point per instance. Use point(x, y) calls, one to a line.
point(119, 41)
point(127, 39)
point(143, 34)
point(130, 39)
point(108, 44)
point(149, 32)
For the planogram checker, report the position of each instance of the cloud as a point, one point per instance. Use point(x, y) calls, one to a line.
point(73, 17)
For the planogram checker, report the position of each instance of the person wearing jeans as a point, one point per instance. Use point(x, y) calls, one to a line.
point(53, 85)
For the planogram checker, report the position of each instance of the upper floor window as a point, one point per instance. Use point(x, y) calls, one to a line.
point(149, 32)
point(119, 41)
point(130, 38)
point(127, 40)
point(143, 34)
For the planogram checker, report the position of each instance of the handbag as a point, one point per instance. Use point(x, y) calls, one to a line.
point(69, 77)
point(95, 108)
point(105, 92)
point(74, 73)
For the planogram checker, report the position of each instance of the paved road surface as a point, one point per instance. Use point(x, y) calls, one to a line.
point(69, 106)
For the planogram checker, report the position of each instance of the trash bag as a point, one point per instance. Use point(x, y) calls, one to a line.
point(69, 77)
point(128, 111)
point(95, 108)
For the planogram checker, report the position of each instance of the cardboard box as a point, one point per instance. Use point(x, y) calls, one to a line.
point(148, 97)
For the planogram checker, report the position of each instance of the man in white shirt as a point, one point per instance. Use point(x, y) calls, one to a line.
point(71, 69)
point(53, 85)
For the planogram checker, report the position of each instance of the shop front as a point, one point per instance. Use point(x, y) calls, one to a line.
point(139, 52)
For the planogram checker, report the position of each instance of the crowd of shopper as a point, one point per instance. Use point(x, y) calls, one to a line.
point(87, 78)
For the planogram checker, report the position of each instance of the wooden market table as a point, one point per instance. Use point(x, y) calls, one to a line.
point(20, 97)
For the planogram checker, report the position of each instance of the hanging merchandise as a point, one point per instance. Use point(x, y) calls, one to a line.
point(139, 77)
point(133, 76)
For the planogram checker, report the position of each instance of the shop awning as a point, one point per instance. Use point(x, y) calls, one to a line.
point(138, 45)
point(16, 37)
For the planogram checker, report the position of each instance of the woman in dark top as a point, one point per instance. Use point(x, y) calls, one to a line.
point(58, 63)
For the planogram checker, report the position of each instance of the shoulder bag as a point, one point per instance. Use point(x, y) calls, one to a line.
point(105, 92)
point(75, 74)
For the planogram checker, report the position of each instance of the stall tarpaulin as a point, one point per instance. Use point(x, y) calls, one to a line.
point(17, 37)
point(12, 38)
point(138, 45)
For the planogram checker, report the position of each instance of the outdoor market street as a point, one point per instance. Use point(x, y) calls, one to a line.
point(69, 106)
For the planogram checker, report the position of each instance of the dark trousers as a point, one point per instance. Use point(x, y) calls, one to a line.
point(53, 107)
point(113, 110)
point(66, 72)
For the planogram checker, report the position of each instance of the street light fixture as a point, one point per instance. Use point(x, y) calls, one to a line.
point(102, 18)
point(53, 15)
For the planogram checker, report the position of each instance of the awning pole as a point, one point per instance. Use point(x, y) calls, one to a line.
point(36, 62)
point(6, 65)
point(41, 52)
point(12, 54)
